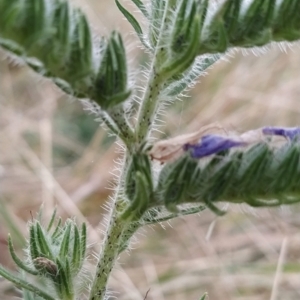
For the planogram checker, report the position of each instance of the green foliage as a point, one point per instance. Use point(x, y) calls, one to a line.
point(138, 186)
point(56, 255)
point(263, 175)
point(236, 24)
point(55, 40)
point(203, 297)
point(183, 38)
point(111, 80)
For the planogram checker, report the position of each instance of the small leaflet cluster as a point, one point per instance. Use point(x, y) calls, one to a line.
point(55, 40)
point(56, 254)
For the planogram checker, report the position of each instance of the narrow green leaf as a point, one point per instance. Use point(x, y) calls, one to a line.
point(230, 22)
point(83, 236)
point(140, 202)
point(64, 247)
point(176, 183)
point(52, 220)
point(42, 242)
point(203, 297)
point(24, 284)
point(85, 41)
point(76, 257)
point(131, 19)
point(121, 63)
point(17, 260)
point(61, 49)
point(33, 247)
point(62, 280)
point(178, 35)
point(141, 7)
point(286, 169)
point(69, 277)
point(58, 230)
point(183, 61)
point(255, 160)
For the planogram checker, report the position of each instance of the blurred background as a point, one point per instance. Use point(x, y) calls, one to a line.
point(55, 153)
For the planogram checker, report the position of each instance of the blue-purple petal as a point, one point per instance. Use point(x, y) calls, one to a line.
point(211, 144)
point(288, 132)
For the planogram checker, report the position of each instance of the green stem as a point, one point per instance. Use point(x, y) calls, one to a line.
point(118, 125)
point(155, 83)
point(149, 105)
point(109, 253)
point(120, 231)
point(126, 133)
point(127, 234)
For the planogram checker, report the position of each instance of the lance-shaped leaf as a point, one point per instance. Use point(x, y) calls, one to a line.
point(111, 86)
point(43, 242)
point(33, 247)
point(139, 163)
point(51, 222)
point(79, 63)
point(286, 23)
point(141, 7)
point(19, 282)
point(132, 20)
point(58, 229)
point(64, 247)
point(62, 17)
point(203, 297)
point(138, 185)
point(184, 40)
point(76, 257)
point(18, 261)
point(255, 161)
point(83, 245)
point(140, 202)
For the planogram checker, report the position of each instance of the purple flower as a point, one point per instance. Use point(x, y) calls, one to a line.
point(291, 133)
point(211, 144)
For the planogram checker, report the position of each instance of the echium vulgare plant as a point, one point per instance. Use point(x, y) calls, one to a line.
point(182, 39)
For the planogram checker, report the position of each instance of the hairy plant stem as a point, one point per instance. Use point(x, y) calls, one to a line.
point(155, 83)
point(109, 253)
point(117, 238)
point(149, 106)
point(120, 231)
point(126, 133)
